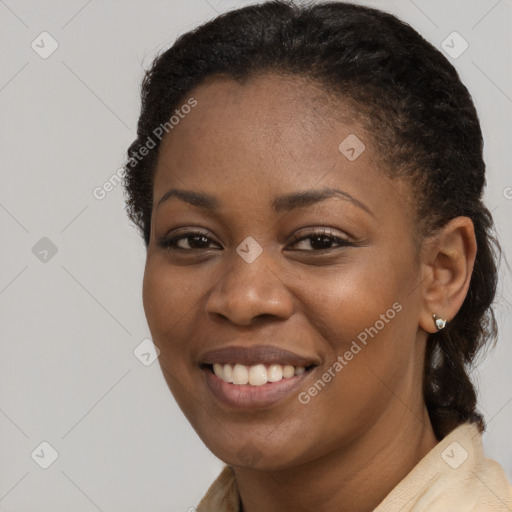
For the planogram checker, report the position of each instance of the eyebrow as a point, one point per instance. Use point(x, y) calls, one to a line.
point(280, 204)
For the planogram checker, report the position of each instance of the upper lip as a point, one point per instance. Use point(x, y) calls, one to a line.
point(255, 354)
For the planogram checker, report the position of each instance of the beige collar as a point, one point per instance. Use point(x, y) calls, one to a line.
point(453, 476)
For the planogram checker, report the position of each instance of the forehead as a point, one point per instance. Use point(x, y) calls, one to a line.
point(288, 120)
point(269, 94)
point(270, 135)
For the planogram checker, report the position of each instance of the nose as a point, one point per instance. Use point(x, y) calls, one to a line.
point(250, 291)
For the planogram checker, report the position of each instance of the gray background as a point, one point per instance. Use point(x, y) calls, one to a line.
point(69, 325)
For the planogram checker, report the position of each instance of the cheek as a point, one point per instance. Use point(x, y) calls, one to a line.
point(170, 304)
point(365, 311)
point(167, 294)
point(349, 298)
point(157, 299)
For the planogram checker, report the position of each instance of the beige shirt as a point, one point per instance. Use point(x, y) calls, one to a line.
point(454, 476)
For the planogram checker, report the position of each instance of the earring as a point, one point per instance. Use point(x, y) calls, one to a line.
point(440, 322)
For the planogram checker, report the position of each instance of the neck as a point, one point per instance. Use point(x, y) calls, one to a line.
point(355, 478)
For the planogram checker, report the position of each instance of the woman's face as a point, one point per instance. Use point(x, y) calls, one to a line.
point(333, 279)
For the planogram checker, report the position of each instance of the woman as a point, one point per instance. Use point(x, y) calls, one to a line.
point(320, 266)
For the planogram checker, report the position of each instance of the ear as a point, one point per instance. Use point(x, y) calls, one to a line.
point(447, 258)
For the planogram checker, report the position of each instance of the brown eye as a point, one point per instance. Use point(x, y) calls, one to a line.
point(321, 240)
point(192, 240)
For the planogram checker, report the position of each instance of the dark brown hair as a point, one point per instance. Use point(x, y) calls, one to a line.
point(421, 119)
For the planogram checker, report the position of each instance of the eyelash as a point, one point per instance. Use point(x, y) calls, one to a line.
point(171, 243)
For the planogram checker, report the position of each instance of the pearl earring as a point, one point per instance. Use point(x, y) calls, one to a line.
point(440, 322)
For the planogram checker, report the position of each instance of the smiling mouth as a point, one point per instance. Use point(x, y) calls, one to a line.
point(255, 375)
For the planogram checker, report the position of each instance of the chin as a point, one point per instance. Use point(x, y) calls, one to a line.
point(257, 453)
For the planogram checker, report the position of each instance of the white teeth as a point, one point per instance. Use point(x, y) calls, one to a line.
point(217, 369)
point(228, 373)
point(275, 373)
point(240, 374)
point(288, 371)
point(256, 375)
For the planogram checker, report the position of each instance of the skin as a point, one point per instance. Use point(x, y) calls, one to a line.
point(357, 438)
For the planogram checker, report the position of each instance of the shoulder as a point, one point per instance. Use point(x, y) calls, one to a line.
point(454, 475)
point(222, 495)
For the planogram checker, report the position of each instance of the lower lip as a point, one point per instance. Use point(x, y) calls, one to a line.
point(253, 397)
